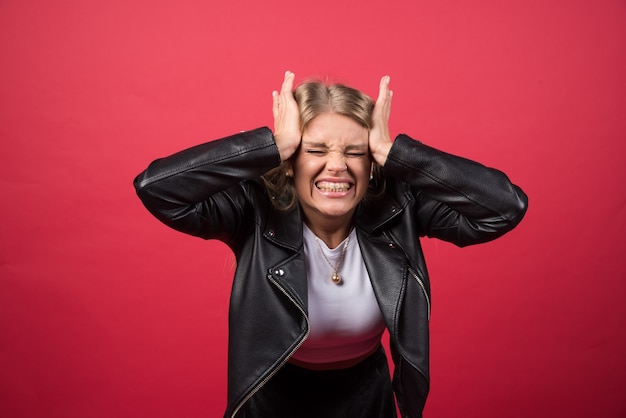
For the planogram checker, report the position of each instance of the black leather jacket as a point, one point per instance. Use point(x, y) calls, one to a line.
point(213, 191)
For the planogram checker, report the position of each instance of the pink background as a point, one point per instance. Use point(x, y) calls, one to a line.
point(104, 312)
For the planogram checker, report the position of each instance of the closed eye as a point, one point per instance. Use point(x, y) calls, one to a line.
point(316, 151)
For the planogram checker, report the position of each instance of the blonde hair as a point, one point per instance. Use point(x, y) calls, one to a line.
point(314, 98)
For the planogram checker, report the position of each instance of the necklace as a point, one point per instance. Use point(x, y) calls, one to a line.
point(335, 278)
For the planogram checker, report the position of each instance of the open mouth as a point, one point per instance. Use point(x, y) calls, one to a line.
point(328, 186)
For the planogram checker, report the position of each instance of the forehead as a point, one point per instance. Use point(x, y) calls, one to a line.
point(333, 129)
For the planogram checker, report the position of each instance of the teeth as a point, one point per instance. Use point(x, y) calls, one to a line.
point(328, 186)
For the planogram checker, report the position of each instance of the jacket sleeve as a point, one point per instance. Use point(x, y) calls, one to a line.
point(458, 200)
point(199, 191)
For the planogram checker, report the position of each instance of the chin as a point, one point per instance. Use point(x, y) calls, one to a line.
point(336, 212)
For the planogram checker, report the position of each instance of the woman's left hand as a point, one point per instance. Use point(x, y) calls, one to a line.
point(379, 138)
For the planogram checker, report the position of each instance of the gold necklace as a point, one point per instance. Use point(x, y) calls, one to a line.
point(336, 278)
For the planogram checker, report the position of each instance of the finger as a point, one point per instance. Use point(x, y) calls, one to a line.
point(383, 88)
point(279, 97)
point(388, 103)
point(384, 93)
point(275, 103)
point(286, 93)
point(287, 86)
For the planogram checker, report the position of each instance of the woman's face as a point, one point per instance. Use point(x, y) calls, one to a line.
point(332, 168)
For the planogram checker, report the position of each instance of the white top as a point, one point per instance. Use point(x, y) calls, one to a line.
point(344, 318)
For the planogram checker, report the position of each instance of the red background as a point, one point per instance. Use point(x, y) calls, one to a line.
point(104, 312)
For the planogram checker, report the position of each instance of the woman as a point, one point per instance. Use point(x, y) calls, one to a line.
point(324, 216)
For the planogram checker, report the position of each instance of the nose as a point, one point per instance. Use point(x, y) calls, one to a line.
point(336, 162)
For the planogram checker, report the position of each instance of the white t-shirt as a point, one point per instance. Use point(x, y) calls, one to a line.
point(344, 318)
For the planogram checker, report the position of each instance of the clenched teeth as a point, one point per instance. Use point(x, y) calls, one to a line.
point(328, 186)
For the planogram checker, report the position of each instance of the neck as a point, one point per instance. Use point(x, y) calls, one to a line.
point(332, 235)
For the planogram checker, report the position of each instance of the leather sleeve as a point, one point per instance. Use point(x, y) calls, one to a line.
point(200, 191)
point(458, 200)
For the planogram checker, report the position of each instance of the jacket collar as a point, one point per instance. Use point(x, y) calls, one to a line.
point(372, 215)
point(285, 228)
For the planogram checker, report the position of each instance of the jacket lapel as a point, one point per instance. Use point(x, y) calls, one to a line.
point(386, 267)
point(384, 259)
point(284, 229)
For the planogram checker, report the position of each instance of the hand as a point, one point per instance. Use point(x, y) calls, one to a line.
point(287, 132)
point(380, 139)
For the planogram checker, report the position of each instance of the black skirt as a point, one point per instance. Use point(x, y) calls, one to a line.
point(361, 391)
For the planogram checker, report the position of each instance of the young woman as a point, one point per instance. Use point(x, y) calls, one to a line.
point(324, 216)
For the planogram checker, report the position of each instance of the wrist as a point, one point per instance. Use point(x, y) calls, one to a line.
point(286, 148)
point(381, 152)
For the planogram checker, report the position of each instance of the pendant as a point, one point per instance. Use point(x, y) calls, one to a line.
point(336, 278)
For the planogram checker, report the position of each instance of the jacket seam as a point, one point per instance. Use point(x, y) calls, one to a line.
point(402, 163)
point(395, 323)
point(187, 167)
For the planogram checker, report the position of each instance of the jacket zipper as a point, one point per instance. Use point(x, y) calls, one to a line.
point(268, 377)
point(421, 283)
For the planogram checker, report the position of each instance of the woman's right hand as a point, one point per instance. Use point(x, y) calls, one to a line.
point(287, 132)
